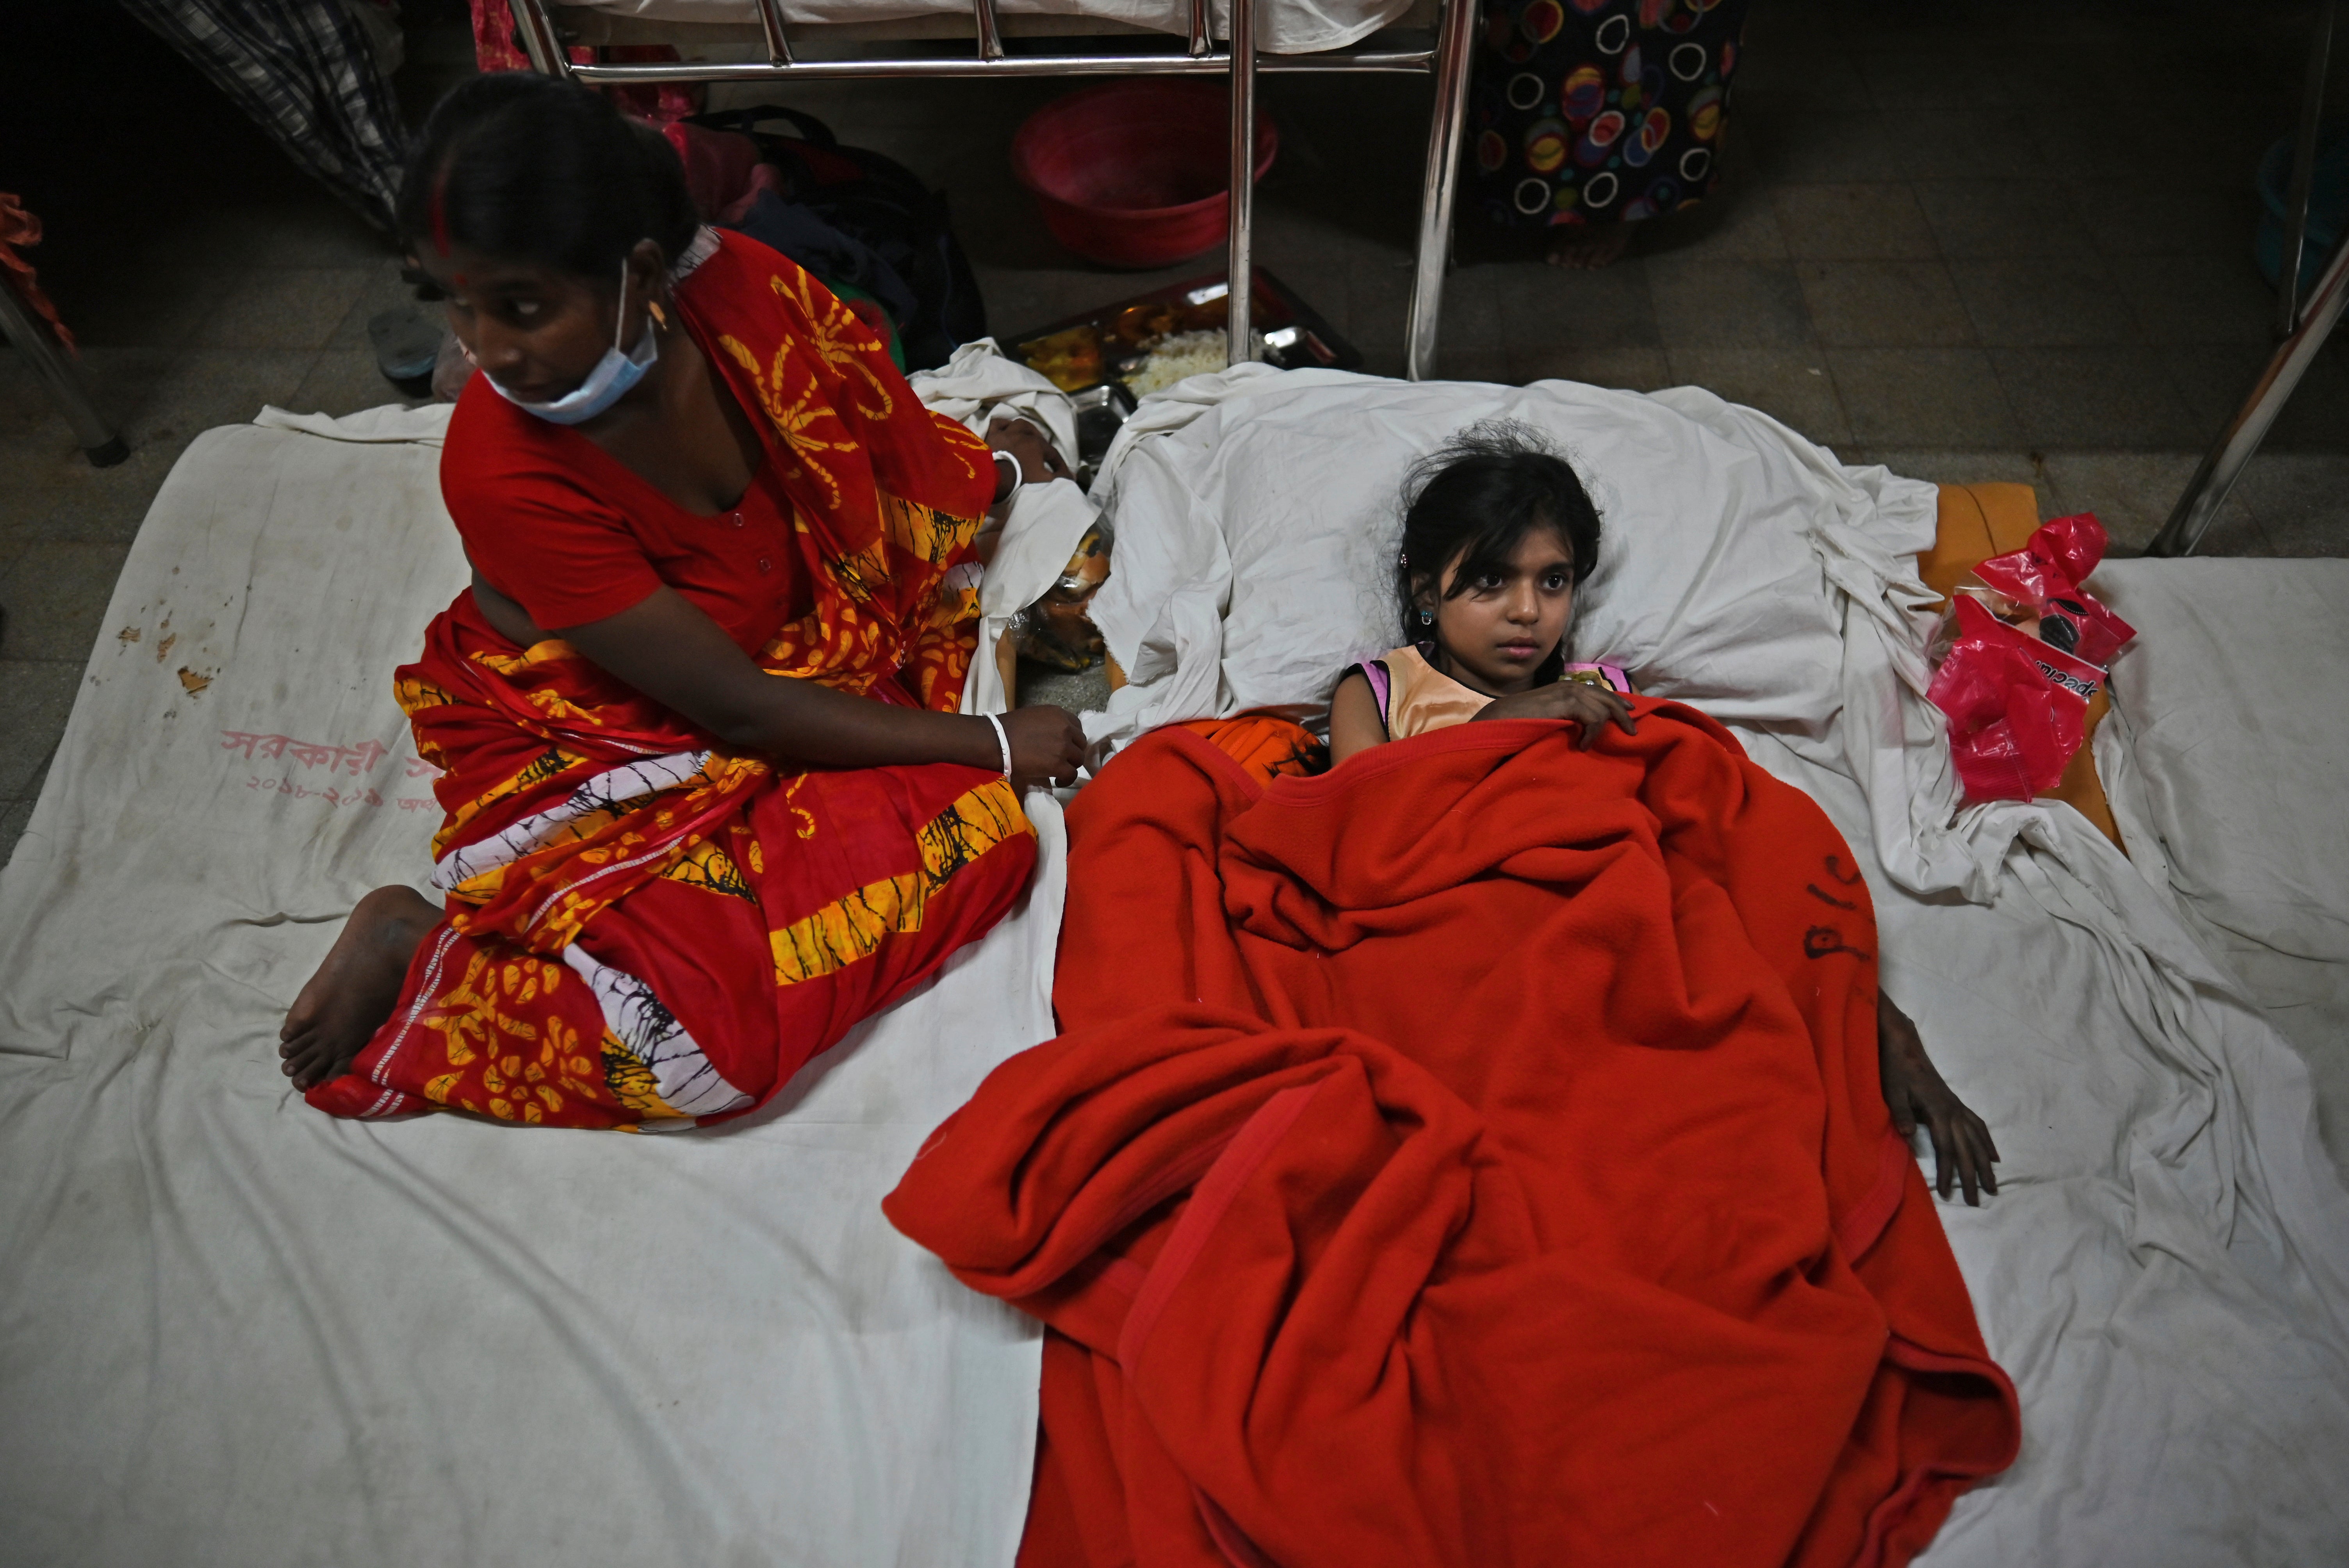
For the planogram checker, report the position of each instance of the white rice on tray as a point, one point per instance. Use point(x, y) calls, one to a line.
point(1180, 354)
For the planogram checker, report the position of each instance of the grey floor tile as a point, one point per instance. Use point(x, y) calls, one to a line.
point(1472, 306)
point(2197, 299)
point(1628, 369)
point(1959, 144)
point(1472, 364)
point(1853, 222)
point(1812, 147)
point(35, 699)
point(1558, 307)
point(2215, 379)
point(13, 817)
point(282, 307)
point(117, 381)
point(203, 387)
point(312, 234)
point(2043, 302)
point(55, 595)
point(2302, 500)
point(383, 291)
point(2136, 215)
point(2001, 218)
point(1922, 398)
point(1957, 468)
point(2094, 397)
point(1790, 385)
point(2132, 494)
point(1884, 304)
point(93, 506)
point(1818, 77)
point(1736, 223)
point(1925, 79)
point(344, 381)
point(131, 312)
point(1723, 304)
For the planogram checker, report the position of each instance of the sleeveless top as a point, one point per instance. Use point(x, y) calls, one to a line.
point(1414, 697)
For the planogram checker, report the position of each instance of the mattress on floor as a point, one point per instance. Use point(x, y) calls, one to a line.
point(2164, 1270)
point(2230, 733)
point(234, 1330)
point(1283, 27)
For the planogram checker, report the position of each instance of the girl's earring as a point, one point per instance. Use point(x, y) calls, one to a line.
point(660, 316)
point(1427, 617)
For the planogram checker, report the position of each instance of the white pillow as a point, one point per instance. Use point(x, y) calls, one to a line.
point(1273, 497)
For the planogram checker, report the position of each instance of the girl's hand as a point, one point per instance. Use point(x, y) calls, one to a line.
point(1591, 706)
point(1048, 746)
point(1039, 461)
point(1914, 1092)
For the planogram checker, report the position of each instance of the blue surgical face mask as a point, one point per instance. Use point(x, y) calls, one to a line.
point(615, 376)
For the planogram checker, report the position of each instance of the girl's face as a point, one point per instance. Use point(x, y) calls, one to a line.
point(1501, 626)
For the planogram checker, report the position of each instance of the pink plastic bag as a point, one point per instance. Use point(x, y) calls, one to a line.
point(2020, 658)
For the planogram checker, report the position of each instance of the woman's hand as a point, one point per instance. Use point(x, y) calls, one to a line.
point(1914, 1092)
point(1591, 706)
point(1048, 746)
point(1039, 461)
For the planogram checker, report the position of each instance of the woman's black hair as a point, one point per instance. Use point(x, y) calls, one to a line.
point(533, 169)
point(1475, 498)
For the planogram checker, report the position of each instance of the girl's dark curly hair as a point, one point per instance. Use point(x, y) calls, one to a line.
point(533, 169)
point(1473, 500)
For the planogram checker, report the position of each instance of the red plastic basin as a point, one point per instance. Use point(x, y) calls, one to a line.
point(1136, 174)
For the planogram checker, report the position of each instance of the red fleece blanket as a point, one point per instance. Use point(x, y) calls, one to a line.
point(1473, 1155)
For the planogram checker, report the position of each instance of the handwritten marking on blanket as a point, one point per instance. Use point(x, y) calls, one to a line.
point(1816, 891)
point(360, 758)
point(357, 760)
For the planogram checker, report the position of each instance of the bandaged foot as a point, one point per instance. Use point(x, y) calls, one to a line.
point(353, 992)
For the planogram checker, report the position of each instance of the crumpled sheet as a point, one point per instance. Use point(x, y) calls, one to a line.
point(2224, 760)
point(2165, 1270)
point(235, 1331)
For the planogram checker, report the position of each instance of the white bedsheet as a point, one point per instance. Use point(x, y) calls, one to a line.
point(2226, 760)
point(235, 1331)
point(2165, 1270)
point(1282, 27)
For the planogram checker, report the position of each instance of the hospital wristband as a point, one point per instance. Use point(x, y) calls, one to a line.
point(1008, 461)
point(1002, 741)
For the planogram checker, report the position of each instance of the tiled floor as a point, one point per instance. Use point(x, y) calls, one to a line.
point(1991, 239)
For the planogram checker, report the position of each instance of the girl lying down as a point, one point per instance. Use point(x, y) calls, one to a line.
point(1497, 530)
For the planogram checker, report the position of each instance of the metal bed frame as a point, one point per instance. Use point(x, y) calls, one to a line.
point(1446, 58)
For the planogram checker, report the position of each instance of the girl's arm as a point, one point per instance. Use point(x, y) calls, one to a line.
point(671, 652)
point(1354, 722)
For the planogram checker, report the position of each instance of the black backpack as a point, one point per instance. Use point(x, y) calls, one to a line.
point(882, 205)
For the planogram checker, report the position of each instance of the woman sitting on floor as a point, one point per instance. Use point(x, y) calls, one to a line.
point(1498, 532)
point(709, 801)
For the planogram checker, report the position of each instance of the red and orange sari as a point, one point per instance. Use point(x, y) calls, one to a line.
point(644, 928)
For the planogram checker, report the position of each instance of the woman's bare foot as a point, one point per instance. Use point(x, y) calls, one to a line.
point(1591, 247)
point(353, 990)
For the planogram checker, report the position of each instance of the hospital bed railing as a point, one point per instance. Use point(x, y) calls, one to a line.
point(1446, 56)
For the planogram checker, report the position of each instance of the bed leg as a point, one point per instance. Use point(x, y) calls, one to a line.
point(1456, 45)
point(2206, 492)
point(1240, 268)
point(2303, 170)
point(100, 441)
